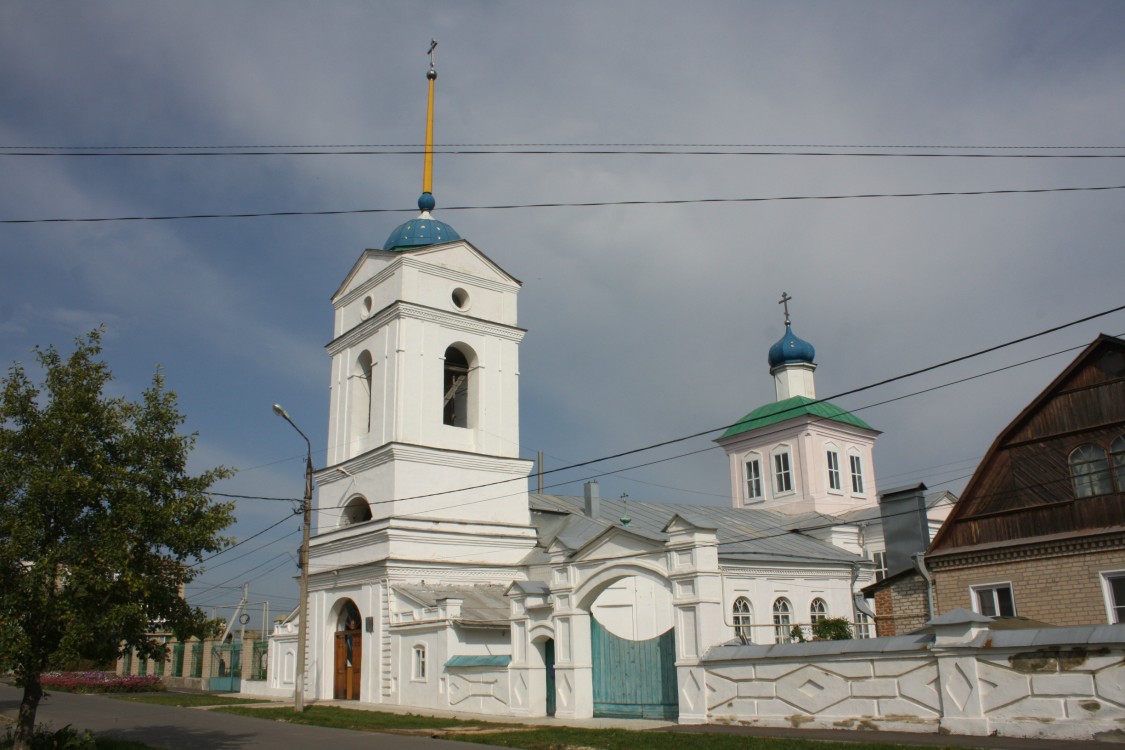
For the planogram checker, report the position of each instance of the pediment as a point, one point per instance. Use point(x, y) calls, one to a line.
point(683, 522)
point(618, 542)
point(456, 259)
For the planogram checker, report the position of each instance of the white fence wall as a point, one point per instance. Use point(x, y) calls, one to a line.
point(963, 678)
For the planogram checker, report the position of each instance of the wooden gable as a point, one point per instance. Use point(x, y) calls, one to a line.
point(1023, 488)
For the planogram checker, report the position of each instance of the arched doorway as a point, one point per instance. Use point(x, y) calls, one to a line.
point(349, 653)
point(549, 663)
point(633, 650)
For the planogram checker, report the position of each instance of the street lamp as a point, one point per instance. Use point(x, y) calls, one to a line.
point(303, 616)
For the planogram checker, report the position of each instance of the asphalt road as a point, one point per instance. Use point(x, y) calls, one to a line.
point(196, 729)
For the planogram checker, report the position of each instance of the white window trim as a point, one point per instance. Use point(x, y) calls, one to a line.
point(831, 450)
point(787, 451)
point(416, 674)
point(1107, 594)
point(995, 585)
point(746, 497)
point(853, 457)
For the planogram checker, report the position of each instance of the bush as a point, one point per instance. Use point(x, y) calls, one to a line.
point(66, 738)
point(101, 682)
point(832, 629)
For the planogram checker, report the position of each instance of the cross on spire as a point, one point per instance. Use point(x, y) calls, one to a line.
point(430, 52)
point(785, 298)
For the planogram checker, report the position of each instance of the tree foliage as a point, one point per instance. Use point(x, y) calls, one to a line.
point(100, 520)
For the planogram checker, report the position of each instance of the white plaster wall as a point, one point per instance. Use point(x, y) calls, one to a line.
point(764, 586)
point(1074, 691)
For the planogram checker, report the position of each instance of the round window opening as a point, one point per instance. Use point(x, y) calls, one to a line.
point(460, 298)
point(367, 303)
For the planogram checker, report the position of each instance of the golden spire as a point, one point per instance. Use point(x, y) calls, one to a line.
point(428, 167)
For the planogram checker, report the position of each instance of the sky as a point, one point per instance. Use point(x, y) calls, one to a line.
point(645, 322)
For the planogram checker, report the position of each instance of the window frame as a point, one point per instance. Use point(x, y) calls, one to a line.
point(782, 611)
point(832, 457)
point(779, 456)
point(749, 483)
point(879, 557)
point(1090, 476)
point(743, 619)
point(818, 613)
point(1115, 610)
point(855, 467)
point(418, 660)
point(978, 604)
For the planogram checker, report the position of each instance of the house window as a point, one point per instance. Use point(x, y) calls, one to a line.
point(818, 611)
point(994, 600)
point(782, 474)
point(743, 619)
point(833, 470)
point(1117, 455)
point(456, 387)
point(782, 621)
point(753, 479)
point(857, 474)
point(419, 670)
point(880, 560)
point(1114, 585)
point(1090, 471)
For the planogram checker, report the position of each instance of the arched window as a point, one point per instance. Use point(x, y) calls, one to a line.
point(456, 388)
point(743, 616)
point(818, 611)
point(362, 382)
point(356, 511)
point(1090, 471)
point(1117, 452)
point(782, 621)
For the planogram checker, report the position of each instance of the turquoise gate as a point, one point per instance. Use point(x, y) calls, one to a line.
point(634, 679)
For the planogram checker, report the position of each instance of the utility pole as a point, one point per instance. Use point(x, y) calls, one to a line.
point(303, 607)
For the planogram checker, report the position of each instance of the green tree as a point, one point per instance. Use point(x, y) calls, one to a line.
point(100, 520)
point(832, 629)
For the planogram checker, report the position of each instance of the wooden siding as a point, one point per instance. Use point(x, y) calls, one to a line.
point(1023, 488)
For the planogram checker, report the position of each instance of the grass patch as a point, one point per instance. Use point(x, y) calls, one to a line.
point(187, 700)
point(566, 738)
point(345, 718)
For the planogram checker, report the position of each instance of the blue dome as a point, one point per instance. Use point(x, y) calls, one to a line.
point(421, 231)
point(791, 349)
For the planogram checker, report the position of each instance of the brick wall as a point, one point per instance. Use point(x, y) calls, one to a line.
point(901, 607)
point(1055, 584)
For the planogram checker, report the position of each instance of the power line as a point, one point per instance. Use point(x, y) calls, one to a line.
point(294, 514)
point(561, 145)
point(554, 152)
point(585, 204)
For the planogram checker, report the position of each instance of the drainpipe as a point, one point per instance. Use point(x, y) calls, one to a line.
point(920, 566)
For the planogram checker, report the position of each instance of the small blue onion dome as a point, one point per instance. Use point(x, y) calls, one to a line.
point(791, 349)
point(421, 231)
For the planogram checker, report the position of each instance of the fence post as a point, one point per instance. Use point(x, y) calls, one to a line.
point(955, 647)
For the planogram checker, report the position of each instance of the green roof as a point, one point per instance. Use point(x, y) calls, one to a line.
point(797, 406)
point(478, 661)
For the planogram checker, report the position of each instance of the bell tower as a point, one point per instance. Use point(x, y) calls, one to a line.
point(424, 409)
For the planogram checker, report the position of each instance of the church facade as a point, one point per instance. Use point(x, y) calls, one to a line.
point(436, 580)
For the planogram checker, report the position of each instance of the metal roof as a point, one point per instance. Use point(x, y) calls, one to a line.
point(749, 535)
point(480, 604)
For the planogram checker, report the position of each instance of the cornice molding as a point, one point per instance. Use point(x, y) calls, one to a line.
point(402, 310)
point(515, 467)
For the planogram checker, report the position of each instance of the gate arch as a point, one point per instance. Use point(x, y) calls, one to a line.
point(631, 678)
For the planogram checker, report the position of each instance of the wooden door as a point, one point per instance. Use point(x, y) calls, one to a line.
point(349, 658)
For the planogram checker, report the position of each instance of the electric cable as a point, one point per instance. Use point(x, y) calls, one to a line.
point(583, 204)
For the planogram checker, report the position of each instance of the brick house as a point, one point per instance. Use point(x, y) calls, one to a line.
point(1039, 532)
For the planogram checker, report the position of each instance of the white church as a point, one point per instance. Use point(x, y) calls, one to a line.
point(436, 580)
